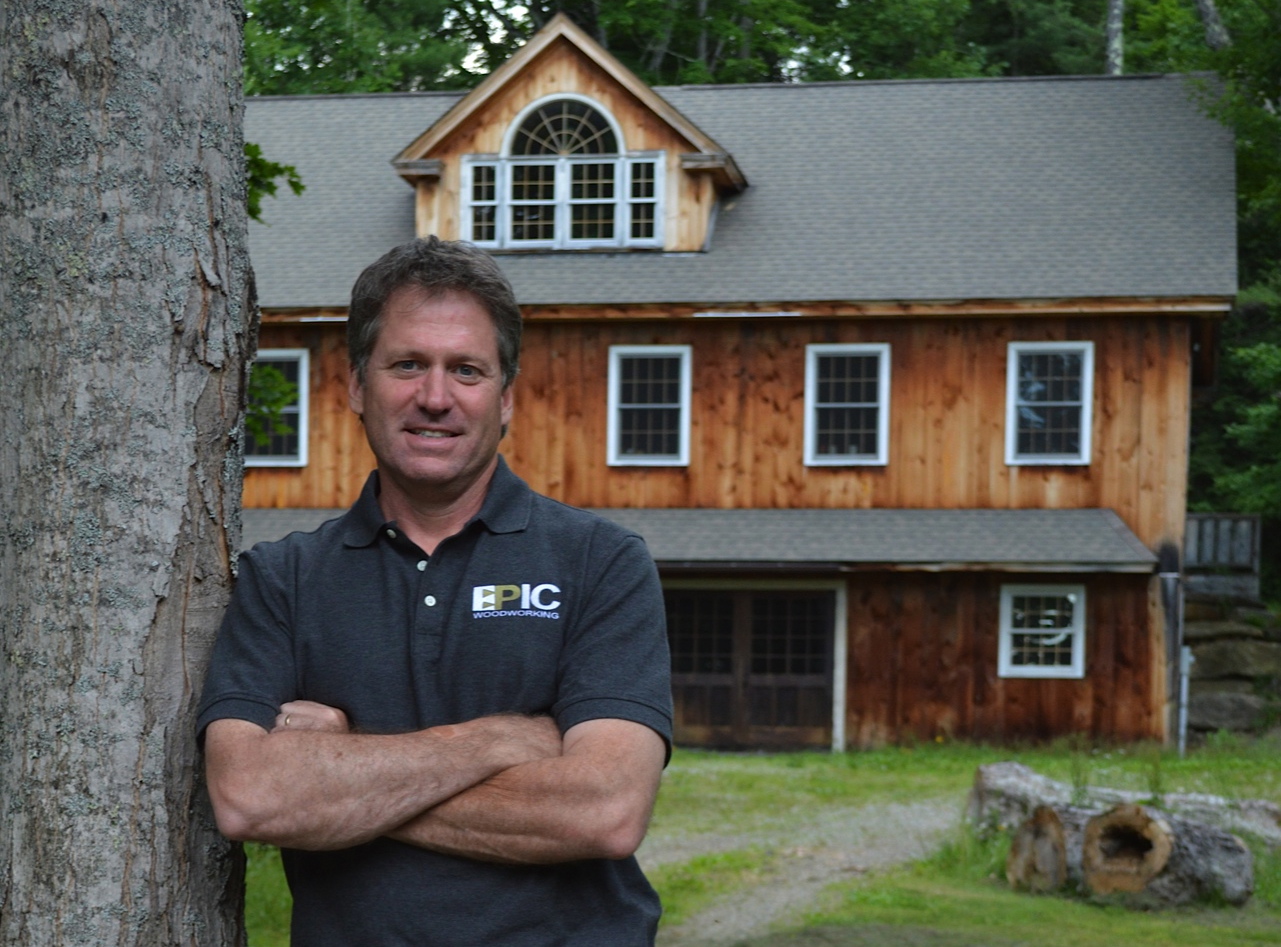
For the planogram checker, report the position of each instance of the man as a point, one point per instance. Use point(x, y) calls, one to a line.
point(451, 706)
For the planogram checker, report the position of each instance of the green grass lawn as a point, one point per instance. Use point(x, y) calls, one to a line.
point(958, 897)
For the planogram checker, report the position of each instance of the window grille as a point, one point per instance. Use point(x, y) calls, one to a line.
point(1049, 397)
point(1042, 631)
point(286, 444)
point(846, 404)
point(649, 392)
point(565, 183)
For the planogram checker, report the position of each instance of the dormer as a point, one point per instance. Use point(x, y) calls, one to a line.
point(561, 149)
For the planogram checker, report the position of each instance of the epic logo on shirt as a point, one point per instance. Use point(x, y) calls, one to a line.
point(523, 601)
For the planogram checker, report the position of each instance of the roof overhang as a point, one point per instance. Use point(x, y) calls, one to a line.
point(820, 541)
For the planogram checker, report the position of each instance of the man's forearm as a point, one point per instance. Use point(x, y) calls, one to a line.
point(594, 801)
point(326, 790)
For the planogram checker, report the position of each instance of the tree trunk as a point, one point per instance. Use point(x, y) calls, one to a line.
point(1116, 37)
point(126, 314)
point(1216, 34)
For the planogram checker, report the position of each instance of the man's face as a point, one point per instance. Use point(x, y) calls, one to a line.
point(433, 401)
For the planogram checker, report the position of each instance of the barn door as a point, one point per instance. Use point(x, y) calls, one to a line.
point(751, 668)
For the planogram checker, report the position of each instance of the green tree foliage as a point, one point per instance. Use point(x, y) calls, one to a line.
point(1039, 37)
point(307, 47)
point(261, 177)
point(270, 392)
point(669, 42)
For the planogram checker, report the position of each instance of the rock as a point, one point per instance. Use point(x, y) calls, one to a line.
point(1237, 658)
point(1225, 710)
point(1224, 685)
point(1005, 794)
point(1194, 631)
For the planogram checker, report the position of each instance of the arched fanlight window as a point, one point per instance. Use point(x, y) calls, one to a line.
point(563, 183)
point(565, 127)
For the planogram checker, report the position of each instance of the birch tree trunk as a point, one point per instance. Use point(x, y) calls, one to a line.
point(1116, 37)
point(126, 313)
point(1216, 34)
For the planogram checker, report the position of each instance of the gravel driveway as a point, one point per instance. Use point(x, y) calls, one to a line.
point(813, 851)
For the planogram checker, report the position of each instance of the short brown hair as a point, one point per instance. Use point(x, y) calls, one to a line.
point(435, 266)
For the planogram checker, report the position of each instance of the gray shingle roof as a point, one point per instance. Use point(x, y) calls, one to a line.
point(1024, 540)
point(872, 191)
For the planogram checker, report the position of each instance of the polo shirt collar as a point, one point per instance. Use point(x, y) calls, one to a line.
point(506, 508)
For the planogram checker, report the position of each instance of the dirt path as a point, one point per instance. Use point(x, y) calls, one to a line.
point(812, 853)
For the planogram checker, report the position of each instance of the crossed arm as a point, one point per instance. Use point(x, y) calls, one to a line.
point(502, 788)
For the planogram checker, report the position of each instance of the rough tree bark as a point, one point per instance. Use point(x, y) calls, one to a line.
point(126, 313)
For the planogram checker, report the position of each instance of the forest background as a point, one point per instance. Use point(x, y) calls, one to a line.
point(307, 47)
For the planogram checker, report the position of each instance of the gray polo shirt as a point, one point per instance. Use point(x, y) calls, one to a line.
point(534, 607)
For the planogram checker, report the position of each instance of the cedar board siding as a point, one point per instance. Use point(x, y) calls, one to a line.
point(560, 69)
point(923, 663)
point(947, 419)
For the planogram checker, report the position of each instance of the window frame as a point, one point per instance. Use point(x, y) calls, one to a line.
point(1014, 353)
point(613, 405)
point(624, 162)
point(812, 354)
point(1005, 651)
point(301, 424)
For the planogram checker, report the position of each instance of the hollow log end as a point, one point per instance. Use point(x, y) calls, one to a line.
point(1124, 849)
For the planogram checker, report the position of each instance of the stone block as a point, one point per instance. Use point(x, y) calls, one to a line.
point(1209, 630)
point(1226, 685)
point(1237, 658)
point(1225, 711)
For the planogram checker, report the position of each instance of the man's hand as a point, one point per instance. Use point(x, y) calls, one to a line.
point(309, 715)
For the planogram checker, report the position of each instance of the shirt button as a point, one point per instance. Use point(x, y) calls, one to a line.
point(429, 600)
point(391, 534)
point(422, 565)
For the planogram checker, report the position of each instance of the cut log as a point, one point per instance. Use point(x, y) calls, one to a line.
point(1038, 854)
point(1045, 853)
point(1148, 858)
point(1124, 849)
point(1186, 862)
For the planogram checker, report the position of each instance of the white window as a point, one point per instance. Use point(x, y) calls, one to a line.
point(847, 404)
point(563, 181)
point(1049, 393)
point(649, 392)
point(280, 382)
point(1042, 631)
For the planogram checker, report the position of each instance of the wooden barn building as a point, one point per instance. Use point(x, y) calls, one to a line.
point(894, 377)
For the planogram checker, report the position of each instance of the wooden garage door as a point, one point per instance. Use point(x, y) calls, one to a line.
point(751, 668)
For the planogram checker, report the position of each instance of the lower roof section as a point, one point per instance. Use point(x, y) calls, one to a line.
point(930, 540)
point(814, 540)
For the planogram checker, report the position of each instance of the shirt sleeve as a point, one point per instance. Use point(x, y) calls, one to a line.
point(615, 661)
point(252, 668)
